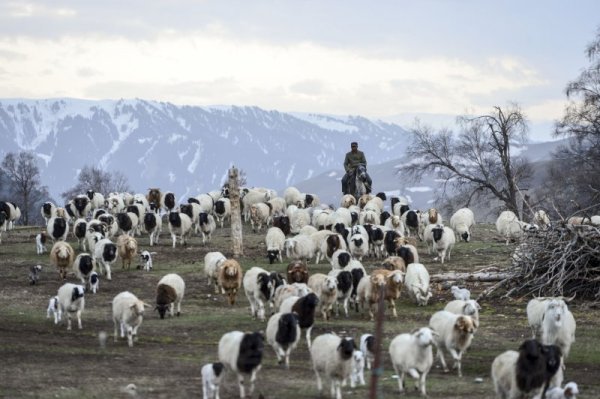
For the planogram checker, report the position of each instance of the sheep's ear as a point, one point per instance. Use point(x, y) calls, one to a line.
point(415, 330)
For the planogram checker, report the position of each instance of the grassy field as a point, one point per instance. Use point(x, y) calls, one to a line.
point(43, 360)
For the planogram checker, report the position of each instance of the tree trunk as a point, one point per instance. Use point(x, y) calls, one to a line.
point(236, 214)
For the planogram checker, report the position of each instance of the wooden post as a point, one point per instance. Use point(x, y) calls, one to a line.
point(236, 214)
point(377, 370)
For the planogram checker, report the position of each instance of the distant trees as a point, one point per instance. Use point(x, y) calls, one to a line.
point(576, 170)
point(24, 185)
point(476, 163)
point(92, 178)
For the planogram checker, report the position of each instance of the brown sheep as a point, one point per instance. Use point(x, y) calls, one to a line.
point(393, 286)
point(154, 196)
point(230, 279)
point(127, 247)
point(297, 272)
point(394, 263)
point(62, 256)
point(368, 291)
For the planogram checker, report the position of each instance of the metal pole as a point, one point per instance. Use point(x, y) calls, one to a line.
point(377, 370)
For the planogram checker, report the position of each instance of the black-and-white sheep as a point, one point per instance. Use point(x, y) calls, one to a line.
point(105, 254)
point(242, 353)
point(169, 294)
point(283, 334)
point(71, 301)
point(332, 355)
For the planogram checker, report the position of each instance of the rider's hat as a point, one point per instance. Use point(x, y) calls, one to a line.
point(354, 143)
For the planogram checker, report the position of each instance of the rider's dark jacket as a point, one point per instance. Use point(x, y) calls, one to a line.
point(353, 159)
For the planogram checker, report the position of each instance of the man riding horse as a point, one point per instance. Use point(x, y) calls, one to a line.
point(351, 162)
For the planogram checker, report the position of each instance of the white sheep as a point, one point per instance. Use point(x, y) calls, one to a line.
point(412, 353)
point(299, 219)
point(307, 230)
point(551, 320)
point(212, 264)
point(242, 353)
point(455, 336)
point(205, 201)
point(509, 226)
point(91, 239)
point(71, 300)
point(347, 200)
point(540, 218)
point(169, 293)
point(358, 369)
point(367, 347)
point(283, 334)
point(416, 282)
point(320, 218)
point(259, 290)
point(54, 309)
point(105, 254)
point(300, 247)
point(462, 221)
point(286, 291)
point(179, 223)
point(62, 256)
point(212, 374)
point(332, 355)
point(278, 206)
point(274, 241)
point(292, 196)
point(443, 241)
point(127, 313)
point(325, 287)
point(260, 214)
point(468, 307)
point(251, 197)
point(569, 391)
point(460, 293)
point(40, 242)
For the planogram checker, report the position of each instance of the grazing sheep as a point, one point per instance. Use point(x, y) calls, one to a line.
point(105, 254)
point(242, 353)
point(230, 279)
point(57, 228)
point(207, 225)
point(61, 256)
point(274, 241)
point(412, 354)
point(455, 336)
point(416, 282)
point(469, 307)
point(179, 223)
point(127, 313)
point(283, 334)
point(212, 374)
point(169, 293)
point(462, 221)
point(83, 266)
point(53, 309)
point(153, 226)
point(212, 264)
point(516, 374)
point(40, 242)
point(443, 241)
point(34, 274)
point(71, 300)
point(222, 210)
point(325, 287)
point(367, 347)
point(332, 355)
point(283, 222)
point(127, 247)
point(259, 290)
point(146, 259)
point(460, 293)
point(569, 391)
point(510, 227)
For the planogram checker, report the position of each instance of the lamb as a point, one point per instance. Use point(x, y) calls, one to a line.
point(230, 279)
point(54, 309)
point(169, 293)
point(212, 374)
point(462, 221)
point(305, 307)
point(242, 353)
point(212, 264)
point(127, 314)
point(179, 223)
point(540, 218)
point(127, 247)
point(325, 287)
point(515, 374)
point(283, 334)
point(569, 391)
point(40, 242)
point(300, 247)
point(105, 254)
point(207, 225)
point(469, 307)
point(332, 355)
point(34, 274)
point(93, 282)
point(444, 240)
point(412, 354)
point(344, 289)
point(259, 289)
point(455, 336)
point(367, 347)
point(551, 316)
point(71, 300)
point(83, 266)
point(274, 241)
point(251, 197)
point(357, 376)
point(57, 228)
point(153, 226)
point(62, 255)
point(146, 259)
point(416, 282)
point(222, 210)
point(460, 293)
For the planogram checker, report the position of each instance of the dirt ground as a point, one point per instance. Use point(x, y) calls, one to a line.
point(43, 360)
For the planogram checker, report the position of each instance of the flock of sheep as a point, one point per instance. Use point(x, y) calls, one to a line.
point(302, 229)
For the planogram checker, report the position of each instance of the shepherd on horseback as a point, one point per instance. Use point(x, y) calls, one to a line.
point(353, 159)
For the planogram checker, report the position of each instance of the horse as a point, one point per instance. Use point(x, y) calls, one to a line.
point(357, 183)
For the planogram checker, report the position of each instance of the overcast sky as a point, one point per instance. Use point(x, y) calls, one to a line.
point(371, 58)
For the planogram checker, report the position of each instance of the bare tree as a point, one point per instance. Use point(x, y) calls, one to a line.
point(22, 172)
point(92, 178)
point(476, 163)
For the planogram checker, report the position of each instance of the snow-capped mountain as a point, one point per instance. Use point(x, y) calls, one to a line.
point(187, 149)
